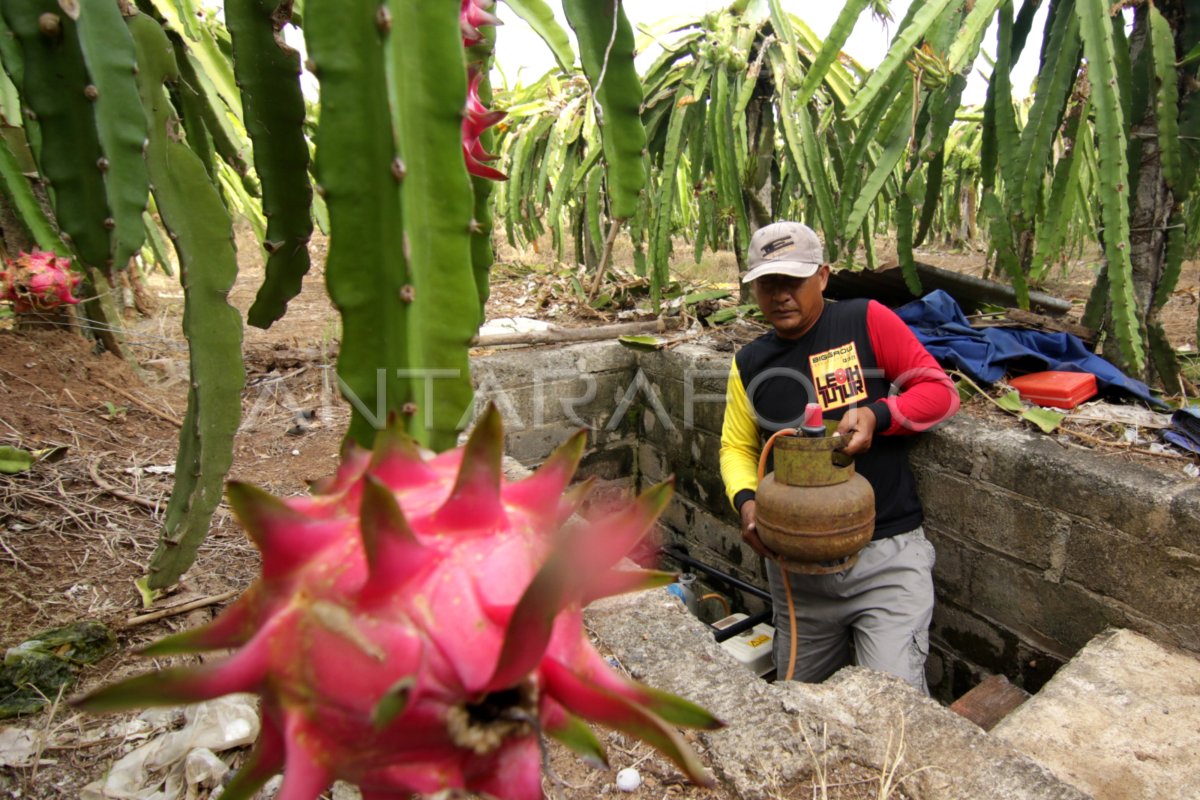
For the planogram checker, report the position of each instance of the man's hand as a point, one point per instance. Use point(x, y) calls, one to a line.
point(859, 425)
point(750, 531)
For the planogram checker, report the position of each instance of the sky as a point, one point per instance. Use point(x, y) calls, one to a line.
point(520, 52)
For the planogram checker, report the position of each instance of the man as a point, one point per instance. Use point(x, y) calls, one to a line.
point(867, 370)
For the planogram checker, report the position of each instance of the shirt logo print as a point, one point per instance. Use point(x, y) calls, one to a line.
point(838, 377)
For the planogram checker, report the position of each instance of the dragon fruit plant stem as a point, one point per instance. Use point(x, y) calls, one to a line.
point(417, 627)
point(479, 33)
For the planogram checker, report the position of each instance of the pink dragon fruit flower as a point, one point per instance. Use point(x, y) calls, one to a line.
point(38, 281)
point(418, 626)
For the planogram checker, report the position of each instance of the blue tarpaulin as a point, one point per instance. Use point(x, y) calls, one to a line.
point(987, 354)
point(1185, 429)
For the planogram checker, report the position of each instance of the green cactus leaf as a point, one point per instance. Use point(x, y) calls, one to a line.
point(158, 244)
point(439, 205)
point(898, 54)
point(539, 17)
point(1055, 80)
point(54, 87)
point(664, 199)
point(830, 48)
point(1167, 98)
point(28, 210)
point(14, 461)
point(1173, 266)
point(228, 135)
point(965, 47)
point(202, 232)
point(203, 45)
point(1110, 126)
point(268, 71)
point(109, 56)
point(1053, 227)
point(894, 135)
point(606, 48)
point(904, 238)
point(483, 221)
point(1005, 246)
point(366, 269)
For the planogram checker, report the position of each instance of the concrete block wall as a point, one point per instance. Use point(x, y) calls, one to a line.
point(546, 394)
point(1040, 547)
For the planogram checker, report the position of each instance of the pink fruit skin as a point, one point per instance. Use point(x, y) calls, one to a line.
point(38, 281)
point(418, 621)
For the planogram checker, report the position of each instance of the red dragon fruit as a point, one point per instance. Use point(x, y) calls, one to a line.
point(38, 281)
point(417, 627)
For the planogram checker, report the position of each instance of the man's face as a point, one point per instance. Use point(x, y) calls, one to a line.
point(792, 305)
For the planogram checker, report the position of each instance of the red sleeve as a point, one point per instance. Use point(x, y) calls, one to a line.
point(926, 395)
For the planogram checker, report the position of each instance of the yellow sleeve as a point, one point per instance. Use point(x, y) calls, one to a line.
point(739, 439)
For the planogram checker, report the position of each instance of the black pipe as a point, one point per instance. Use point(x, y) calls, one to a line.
point(728, 632)
point(683, 558)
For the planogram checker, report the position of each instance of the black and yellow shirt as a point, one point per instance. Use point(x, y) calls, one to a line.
point(859, 353)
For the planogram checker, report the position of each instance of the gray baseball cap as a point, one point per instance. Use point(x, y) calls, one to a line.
point(784, 248)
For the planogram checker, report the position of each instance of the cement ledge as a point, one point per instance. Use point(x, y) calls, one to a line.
point(851, 716)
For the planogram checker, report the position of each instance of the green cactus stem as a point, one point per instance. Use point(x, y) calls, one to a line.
point(109, 56)
point(55, 88)
point(357, 170)
point(606, 49)
point(428, 96)
point(201, 229)
point(268, 72)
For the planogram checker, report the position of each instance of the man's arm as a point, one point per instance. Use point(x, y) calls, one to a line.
point(739, 443)
point(739, 457)
point(927, 395)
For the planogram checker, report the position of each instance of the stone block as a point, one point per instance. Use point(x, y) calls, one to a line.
point(974, 638)
point(993, 517)
point(608, 464)
point(1076, 481)
point(531, 446)
point(652, 464)
point(952, 569)
point(1118, 722)
point(1152, 580)
point(951, 446)
point(693, 406)
point(1059, 618)
point(1184, 531)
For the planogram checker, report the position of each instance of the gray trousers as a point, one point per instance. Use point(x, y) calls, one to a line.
point(885, 601)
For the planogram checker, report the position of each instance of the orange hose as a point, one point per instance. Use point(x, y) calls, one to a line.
point(787, 581)
point(722, 598)
point(787, 588)
point(762, 459)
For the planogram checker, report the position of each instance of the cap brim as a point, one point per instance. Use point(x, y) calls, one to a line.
point(795, 269)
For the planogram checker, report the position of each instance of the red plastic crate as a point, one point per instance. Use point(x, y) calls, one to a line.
point(1056, 388)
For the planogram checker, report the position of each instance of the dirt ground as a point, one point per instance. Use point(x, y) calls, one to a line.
point(77, 532)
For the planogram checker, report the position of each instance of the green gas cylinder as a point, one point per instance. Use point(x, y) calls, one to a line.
point(814, 511)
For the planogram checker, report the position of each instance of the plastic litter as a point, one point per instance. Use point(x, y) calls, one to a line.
point(18, 746)
point(182, 764)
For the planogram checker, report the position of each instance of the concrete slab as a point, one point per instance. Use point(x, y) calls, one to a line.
point(860, 716)
point(1121, 721)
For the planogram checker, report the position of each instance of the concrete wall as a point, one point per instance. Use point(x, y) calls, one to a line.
point(1040, 546)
